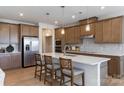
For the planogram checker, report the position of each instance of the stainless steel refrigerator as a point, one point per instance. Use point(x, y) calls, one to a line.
point(30, 46)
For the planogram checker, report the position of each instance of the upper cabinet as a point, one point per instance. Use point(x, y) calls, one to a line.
point(14, 33)
point(72, 35)
point(28, 30)
point(91, 32)
point(4, 33)
point(9, 33)
point(58, 35)
point(99, 32)
point(109, 31)
point(34, 31)
point(117, 29)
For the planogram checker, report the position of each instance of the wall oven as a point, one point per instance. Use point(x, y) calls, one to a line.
point(58, 46)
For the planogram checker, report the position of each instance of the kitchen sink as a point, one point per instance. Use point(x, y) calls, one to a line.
point(72, 55)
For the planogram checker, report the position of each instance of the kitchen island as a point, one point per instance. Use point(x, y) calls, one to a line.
point(115, 65)
point(2, 76)
point(95, 68)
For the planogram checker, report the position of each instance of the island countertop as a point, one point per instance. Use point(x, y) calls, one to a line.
point(89, 60)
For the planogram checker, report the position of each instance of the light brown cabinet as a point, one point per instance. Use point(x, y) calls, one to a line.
point(4, 33)
point(109, 31)
point(28, 30)
point(16, 60)
point(91, 32)
point(9, 33)
point(114, 67)
point(10, 60)
point(34, 31)
point(14, 33)
point(58, 35)
point(77, 35)
point(99, 32)
point(25, 30)
point(72, 35)
point(117, 29)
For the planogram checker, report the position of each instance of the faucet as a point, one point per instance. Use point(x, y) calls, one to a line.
point(65, 46)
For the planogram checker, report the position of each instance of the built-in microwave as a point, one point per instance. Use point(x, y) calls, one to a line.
point(58, 42)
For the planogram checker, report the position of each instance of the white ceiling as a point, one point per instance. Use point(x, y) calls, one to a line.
point(36, 14)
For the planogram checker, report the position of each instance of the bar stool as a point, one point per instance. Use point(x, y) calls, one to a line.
point(39, 66)
point(50, 70)
point(69, 71)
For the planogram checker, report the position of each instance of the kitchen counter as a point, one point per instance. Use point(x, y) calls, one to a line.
point(11, 52)
point(89, 60)
point(119, 54)
point(95, 68)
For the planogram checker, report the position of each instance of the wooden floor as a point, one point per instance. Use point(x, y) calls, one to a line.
point(25, 77)
point(22, 77)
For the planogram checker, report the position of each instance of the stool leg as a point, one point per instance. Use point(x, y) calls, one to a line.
point(83, 79)
point(40, 72)
point(61, 79)
point(35, 71)
point(45, 76)
point(72, 81)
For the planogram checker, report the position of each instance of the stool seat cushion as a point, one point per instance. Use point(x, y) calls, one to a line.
point(76, 71)
point(55, 66)
point(39, 62)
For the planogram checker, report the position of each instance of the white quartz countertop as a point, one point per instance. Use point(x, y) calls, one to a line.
point(10, 52)
point(89, 60)
point(114, 53)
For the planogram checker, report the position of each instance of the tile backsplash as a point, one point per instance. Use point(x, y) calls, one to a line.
point(5, 45)
point(90, 45)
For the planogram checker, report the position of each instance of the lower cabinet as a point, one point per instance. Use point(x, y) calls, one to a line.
point(10, 60)
point(114, 67)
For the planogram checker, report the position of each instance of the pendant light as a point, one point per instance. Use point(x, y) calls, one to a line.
point(62, 30)
point(48, 32)
point(88, 25)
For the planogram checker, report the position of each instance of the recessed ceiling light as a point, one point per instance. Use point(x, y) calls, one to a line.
point(102, 7)
point(80, 12)
point(21, 14)
point(56, 22)
point(73, 17)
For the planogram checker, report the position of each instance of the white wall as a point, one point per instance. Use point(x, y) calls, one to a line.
point(43, 26)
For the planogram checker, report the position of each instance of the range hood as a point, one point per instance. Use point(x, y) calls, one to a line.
point(87, 37)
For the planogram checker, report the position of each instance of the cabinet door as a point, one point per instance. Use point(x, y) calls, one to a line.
point(66, 35)
point(114, 67)
point(83, 30)
point(71, 35)
point(34, 31)
point(107, 31)
point(77, 35)
point(99, 32)
point(58, 34)
point(25, 30)
point(4, 33)
point(91, 32)
point(14, 33)
point(15, 60)
point(117, 30)
point(5, 61)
